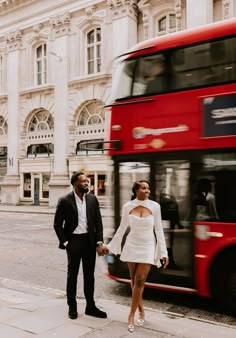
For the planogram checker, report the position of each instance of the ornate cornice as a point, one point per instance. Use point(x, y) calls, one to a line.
point(123, 7)
point(9, 5)
point(13, 40)
point(89, 11)
point(60, 24)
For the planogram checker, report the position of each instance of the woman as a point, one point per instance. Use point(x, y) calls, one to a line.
point(144, 246)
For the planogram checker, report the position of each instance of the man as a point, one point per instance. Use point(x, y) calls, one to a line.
point(78, 225)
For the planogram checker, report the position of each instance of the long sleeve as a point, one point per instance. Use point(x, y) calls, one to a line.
point(115, 244)
point(161, 250)
point(58, 224)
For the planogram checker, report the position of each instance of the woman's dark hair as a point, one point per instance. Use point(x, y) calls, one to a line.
point(75, 176)
point(136, 186)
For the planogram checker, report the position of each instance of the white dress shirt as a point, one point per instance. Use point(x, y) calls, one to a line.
point(82, 218)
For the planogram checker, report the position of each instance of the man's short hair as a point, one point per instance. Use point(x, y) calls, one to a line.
point(75, 176)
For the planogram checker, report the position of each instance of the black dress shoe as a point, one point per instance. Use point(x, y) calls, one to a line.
point(95, 312)
point(72, 314)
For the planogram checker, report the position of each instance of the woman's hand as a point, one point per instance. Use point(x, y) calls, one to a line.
point(165, 261)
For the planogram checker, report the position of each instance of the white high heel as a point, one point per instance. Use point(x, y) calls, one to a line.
point(140, 322)
point(131, 328)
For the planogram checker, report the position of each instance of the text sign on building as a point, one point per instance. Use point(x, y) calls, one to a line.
point(219, 115)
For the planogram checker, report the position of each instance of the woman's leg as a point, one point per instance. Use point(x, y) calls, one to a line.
point(132, 270)
point(140, 276)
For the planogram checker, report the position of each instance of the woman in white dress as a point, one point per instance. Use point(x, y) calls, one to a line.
point(144, 246)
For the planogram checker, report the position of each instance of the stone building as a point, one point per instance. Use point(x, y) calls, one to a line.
point(56, 65)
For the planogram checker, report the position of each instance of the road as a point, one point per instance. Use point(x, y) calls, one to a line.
point(30, 260)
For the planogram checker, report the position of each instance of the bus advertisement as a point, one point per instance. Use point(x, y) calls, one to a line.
point(173, 114)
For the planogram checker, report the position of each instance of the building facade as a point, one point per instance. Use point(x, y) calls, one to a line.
point(56, 66)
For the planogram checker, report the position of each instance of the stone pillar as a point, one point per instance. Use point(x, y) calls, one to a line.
point(59, 183)
point(226, 6)
point(124, 25)
point(11, 182)
point(178, 11)
point(146, 10)
point(202, 16)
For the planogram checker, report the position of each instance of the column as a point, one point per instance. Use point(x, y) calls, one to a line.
point(59, 182)
point(201, 16)
point(124, 25)
point(11, 182)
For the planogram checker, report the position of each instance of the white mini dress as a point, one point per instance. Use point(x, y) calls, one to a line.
point(145, 242)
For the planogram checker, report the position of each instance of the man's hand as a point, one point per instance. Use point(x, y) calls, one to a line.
point(105, 250)
point(100, 250)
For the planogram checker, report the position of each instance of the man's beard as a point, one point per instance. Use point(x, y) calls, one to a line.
point(84, 190)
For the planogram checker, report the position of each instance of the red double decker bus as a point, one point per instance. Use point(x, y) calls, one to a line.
point(173, 113)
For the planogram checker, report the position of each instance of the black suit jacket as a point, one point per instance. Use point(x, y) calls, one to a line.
point(66, 219)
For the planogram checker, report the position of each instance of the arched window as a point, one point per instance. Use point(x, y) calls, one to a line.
point(41, 64)
point(94, 51)
point(91, 114)
point(41, 121)
point(3, 126)
point(166, 24)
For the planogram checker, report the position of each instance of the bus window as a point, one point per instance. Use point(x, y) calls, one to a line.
point(122, 84)
point(205, 64)
point(150, 75)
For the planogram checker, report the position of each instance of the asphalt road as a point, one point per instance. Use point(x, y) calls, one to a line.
point(30, 259)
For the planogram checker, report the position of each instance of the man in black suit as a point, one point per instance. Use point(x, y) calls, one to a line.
point(78, 225)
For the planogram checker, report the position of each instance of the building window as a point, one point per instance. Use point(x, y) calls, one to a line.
point(90, 147)
point(3, 161)
point(41, 121)
point(3, 126)
point(41, 64)
point(166, 24)
point(97, 184)
point(94, 51)
point(92, 114)
point(40, 150)
point(27, 185)
point(45, 186)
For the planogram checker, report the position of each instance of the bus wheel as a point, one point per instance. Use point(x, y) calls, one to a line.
point(223, 282)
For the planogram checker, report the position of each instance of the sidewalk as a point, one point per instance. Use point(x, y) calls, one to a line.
point(24, 315)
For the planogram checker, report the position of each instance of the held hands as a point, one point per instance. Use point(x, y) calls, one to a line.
point(102, 250)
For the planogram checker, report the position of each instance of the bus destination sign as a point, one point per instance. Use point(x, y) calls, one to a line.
point(219, 115)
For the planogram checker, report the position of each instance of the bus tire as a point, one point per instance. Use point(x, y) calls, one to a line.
point(223, 281)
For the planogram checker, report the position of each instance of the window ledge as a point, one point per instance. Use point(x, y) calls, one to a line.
point(102, 78)
point(45, 89)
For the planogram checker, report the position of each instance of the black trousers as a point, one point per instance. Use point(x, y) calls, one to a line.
point(79, 248)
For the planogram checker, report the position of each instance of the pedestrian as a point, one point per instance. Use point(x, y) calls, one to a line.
point(79, 228)
point(144, 246)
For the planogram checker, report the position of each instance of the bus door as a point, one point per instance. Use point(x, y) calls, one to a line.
point(172, 190)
